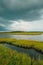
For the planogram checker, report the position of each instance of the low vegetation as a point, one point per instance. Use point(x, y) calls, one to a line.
point(12, 57)
point(22, 33)
point(24, 43)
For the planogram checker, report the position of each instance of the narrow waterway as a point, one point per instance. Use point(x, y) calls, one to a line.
point(31, 52)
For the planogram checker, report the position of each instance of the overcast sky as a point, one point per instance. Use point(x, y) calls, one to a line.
point(21, 15)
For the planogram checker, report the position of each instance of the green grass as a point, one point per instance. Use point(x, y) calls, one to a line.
point(22, 33)
point(24, 43)
point(10, 57)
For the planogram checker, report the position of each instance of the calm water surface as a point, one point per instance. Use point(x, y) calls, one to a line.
point(26, 37)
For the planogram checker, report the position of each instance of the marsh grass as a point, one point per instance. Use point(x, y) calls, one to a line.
point(10, 57)
point(23, 43)
point(22, 33)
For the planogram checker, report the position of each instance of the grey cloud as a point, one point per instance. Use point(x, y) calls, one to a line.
point(4, 21)
point(2, 28)
point(20, 9)
point(21, 4)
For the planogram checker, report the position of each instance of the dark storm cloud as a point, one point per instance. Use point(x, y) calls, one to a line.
point(2, 28)
point(4, 21)
point(20, 9)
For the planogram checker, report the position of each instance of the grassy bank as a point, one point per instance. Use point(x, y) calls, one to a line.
point(11, 57)
point(24, 43)
point(22, 33)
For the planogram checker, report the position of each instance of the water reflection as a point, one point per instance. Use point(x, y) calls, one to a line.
point(26, 37)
